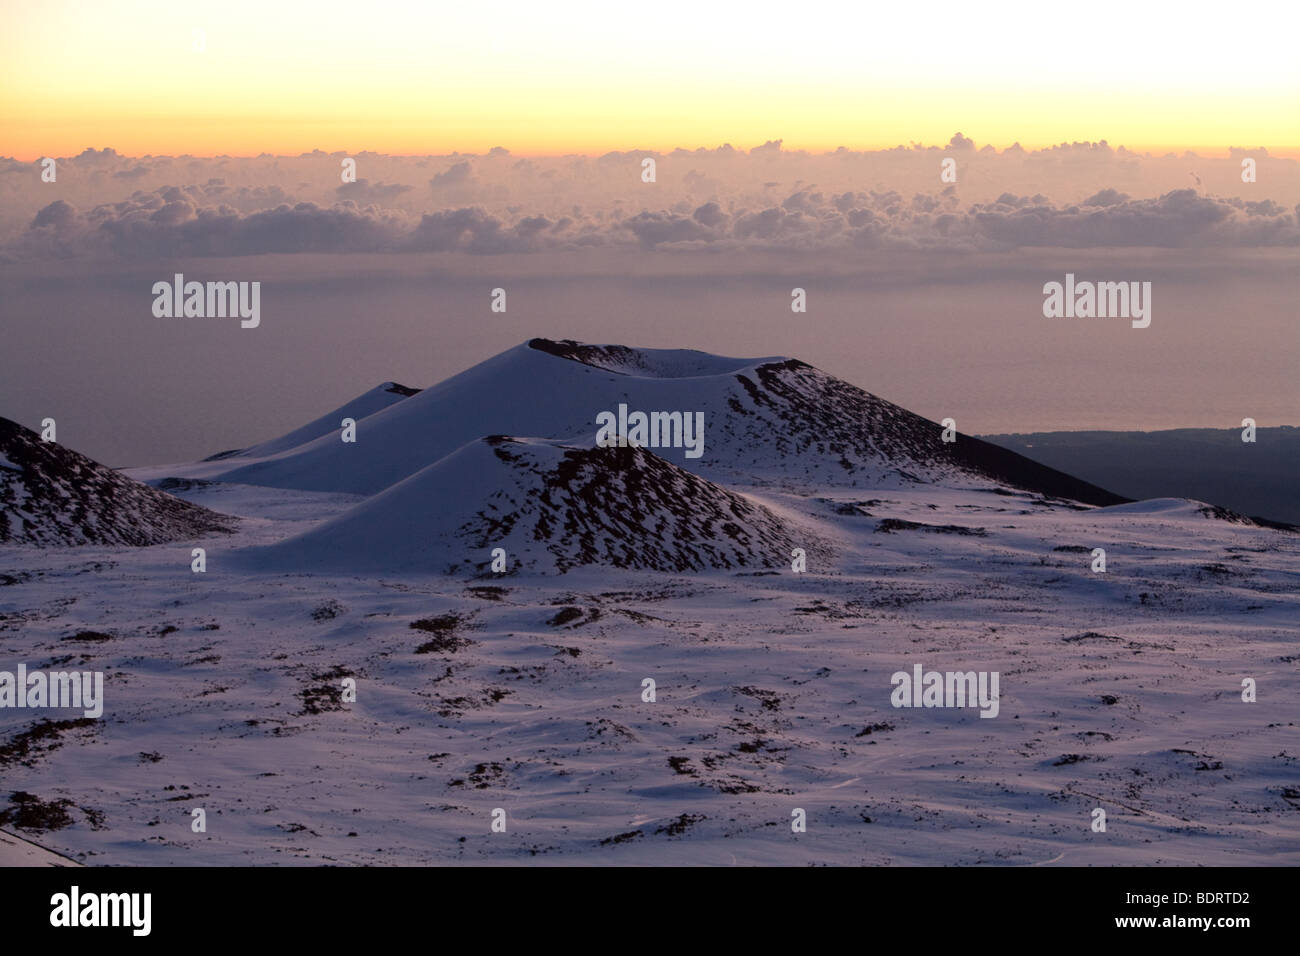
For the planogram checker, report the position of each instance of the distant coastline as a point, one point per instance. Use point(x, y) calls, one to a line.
point(1208, 464)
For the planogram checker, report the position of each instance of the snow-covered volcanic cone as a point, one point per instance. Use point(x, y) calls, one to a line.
point(550, 507)
point(768, 421)
point(51, 495)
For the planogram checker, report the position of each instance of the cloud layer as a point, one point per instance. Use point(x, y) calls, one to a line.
point(1081, 195)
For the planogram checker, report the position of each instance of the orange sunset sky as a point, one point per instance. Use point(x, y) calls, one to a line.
point(242, 78)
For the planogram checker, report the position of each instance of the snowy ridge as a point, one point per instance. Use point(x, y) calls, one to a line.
point(368, 403)
point(1190, 507)
point(650, 363)
point(375, 400)
point(50, 495)
point(817, 429)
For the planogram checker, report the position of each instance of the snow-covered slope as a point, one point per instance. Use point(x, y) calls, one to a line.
point(1123, 689)
point(551, 507)
point(51, 495)
point(330, 424)
point(768, 422)
point(1186, 507)
point(1119, 690)
point(15, 851)
point(361, 407)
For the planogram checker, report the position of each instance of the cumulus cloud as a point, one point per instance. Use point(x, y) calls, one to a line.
point(177, 228)
point(58, 217)
point(710, 215)
point(653, 228)
point(364, 191)
point(459, 174)
point(1106, 197)
point(90, 156)
point(474, 231)
point(1176, 219)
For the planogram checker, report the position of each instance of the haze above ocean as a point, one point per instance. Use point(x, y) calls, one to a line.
point(959, 336)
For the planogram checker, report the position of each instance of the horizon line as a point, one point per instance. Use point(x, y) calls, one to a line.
point(1200, 151)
